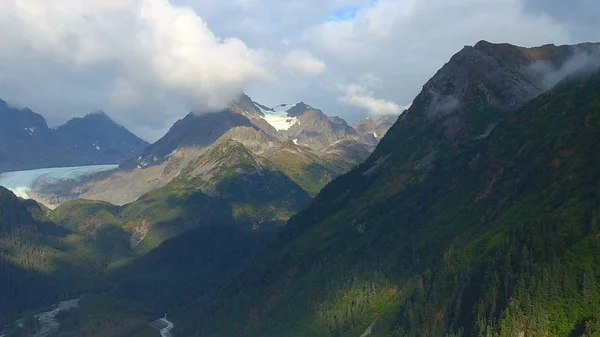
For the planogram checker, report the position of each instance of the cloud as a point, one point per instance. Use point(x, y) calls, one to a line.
point(359, 96)
point(147, 62)
point(580, 15)
point(151, 47)
point(586, 60)
point(304, 63)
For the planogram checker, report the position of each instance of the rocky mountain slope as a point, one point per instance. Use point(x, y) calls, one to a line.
point(376, 127)
point(26, 142)
point(475, 216)
point(311, 127)
point(303, 143)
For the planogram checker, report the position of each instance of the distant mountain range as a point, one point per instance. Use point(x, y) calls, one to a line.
point(26, 141)
point(299, 123)
point(299, 141)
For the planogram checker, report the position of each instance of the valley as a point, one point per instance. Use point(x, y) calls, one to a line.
point(195, 203)
point(473, 211)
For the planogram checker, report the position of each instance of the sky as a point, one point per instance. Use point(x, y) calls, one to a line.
point(147, 63)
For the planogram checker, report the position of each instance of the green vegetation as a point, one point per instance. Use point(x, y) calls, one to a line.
point(138, 254)
point(468, 235)
point(27, 258)
point(496, 236)
point(306, 169)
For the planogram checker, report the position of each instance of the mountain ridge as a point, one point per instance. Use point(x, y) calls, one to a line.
point(26, 141)
point(403, 239)
point(309, 163)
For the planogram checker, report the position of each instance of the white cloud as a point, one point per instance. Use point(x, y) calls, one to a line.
point(304, 63)
point(154, 47)
point(146, 62)
point(427, 23)
point(361, 97)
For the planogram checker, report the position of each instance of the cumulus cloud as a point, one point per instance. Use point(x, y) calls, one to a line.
point(154, 48)
point(304, 63)
point(147, 62)
point(361, 97)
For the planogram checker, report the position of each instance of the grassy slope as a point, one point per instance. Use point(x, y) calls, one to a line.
point(495, 237)
point(247, 193)
point(305, 167)
point(175, 241)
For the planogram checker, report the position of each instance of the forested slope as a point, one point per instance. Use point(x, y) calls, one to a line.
point(489, 231)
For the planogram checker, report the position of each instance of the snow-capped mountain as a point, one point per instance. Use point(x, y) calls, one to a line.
point(301, 141)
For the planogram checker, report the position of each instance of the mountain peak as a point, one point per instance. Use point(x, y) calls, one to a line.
point(508, 75)
point(299, 109)
point(98, 113)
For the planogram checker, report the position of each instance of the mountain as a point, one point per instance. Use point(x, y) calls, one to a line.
point(200, 203)
point(309, 126)
point(376, 127)
point(475, 216)
point(325, 148)
point(98, 140)
point(43, 262)
point(26, 142)
point(106, 253)
point(299, 123)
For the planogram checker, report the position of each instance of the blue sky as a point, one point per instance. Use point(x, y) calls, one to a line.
point(345, 14)
point(349, 13)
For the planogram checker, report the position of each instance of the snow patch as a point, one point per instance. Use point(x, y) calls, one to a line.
point(278, 117)
point(172, 153)
point(31, 130)
point(295, 141)
point(280, 123)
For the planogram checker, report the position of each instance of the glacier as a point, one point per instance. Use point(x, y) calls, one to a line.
point(278, 117)
point(22, 183)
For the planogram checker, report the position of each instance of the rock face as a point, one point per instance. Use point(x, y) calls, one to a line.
point(315, 129)
point(26, 142)
point(501, 76)
point(193, 131)
point(372, 130)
